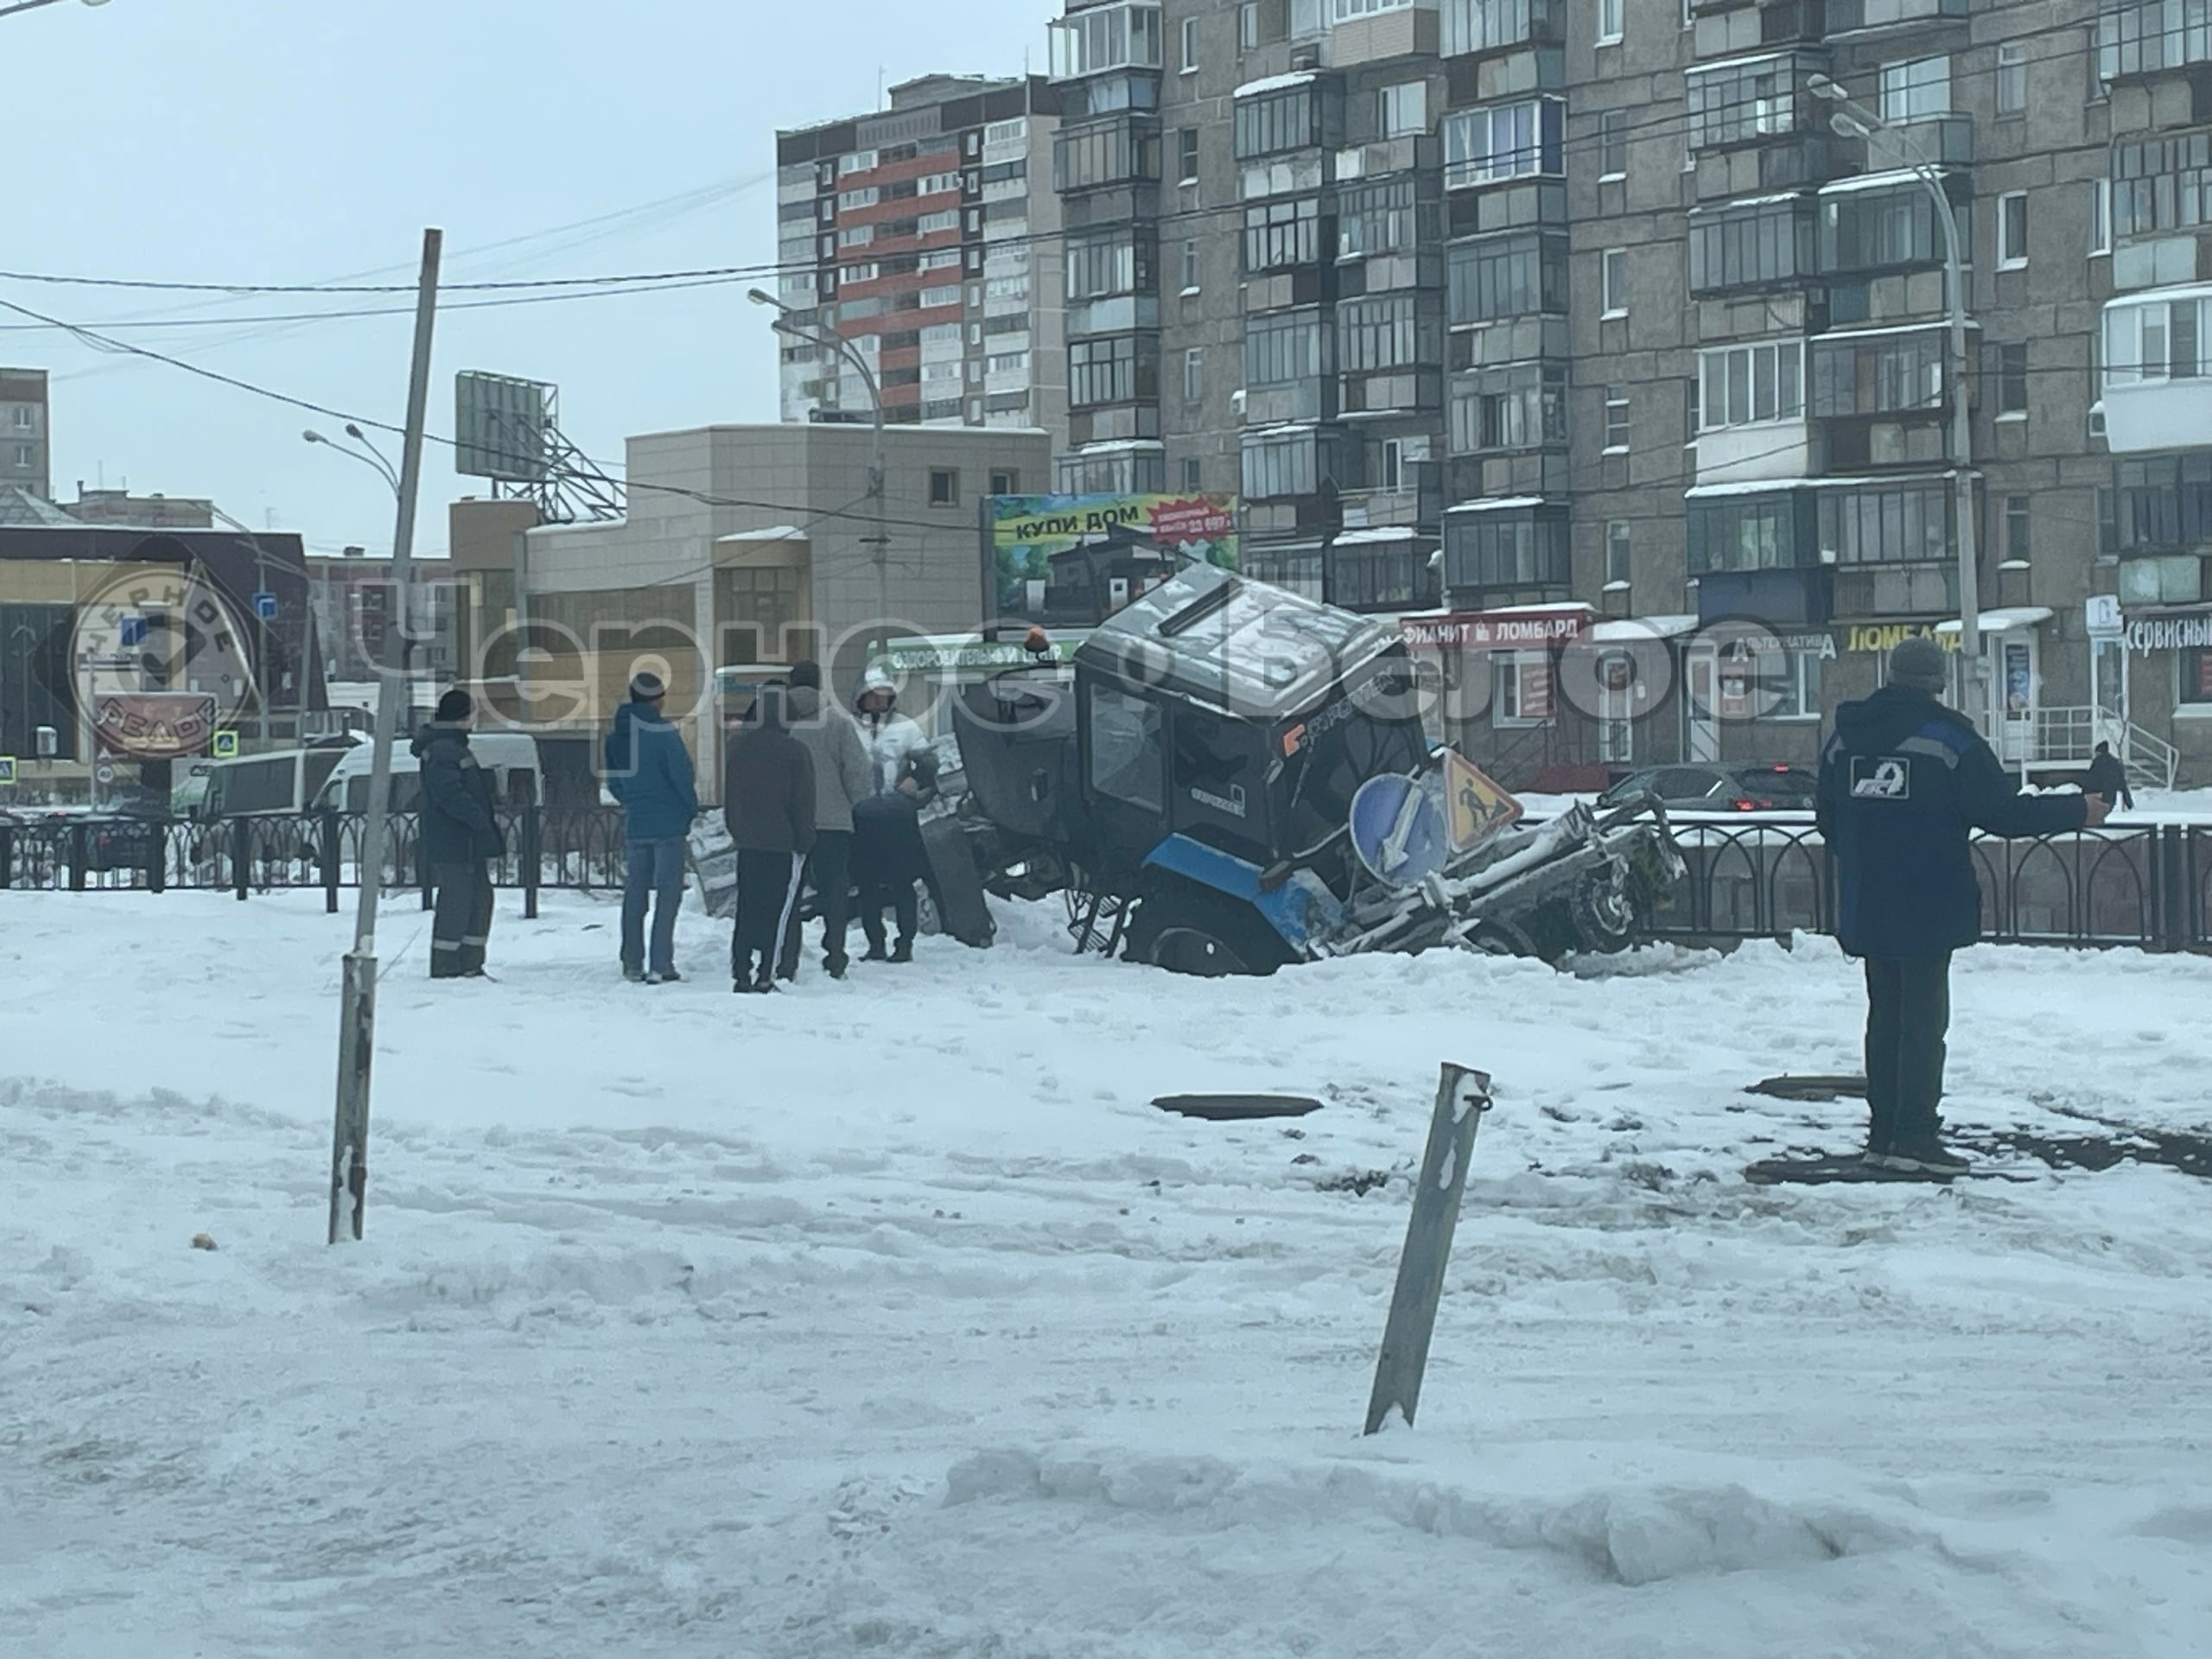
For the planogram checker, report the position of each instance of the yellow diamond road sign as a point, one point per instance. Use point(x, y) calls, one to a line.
point(1479, 808)
point(225, 745)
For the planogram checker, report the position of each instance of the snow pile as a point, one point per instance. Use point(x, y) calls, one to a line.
point(891, 1318)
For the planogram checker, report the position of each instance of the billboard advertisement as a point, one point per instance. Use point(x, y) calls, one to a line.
point(1022, 532)
point(500, 425)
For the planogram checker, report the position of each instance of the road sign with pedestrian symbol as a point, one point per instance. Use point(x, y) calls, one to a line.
point(1479, 808)
point(223, 746)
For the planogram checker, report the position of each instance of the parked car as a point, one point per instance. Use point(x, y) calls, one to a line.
point(1704, 788)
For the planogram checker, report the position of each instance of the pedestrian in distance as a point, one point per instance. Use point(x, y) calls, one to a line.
point(460, 838)
point(1904, 782)
point(768, 802)
point(888, 856)
point(649, 771)
point(2108, 778)
point(842, 778)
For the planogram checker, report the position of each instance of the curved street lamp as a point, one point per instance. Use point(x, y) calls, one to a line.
point(33, 5)
point(374, 461)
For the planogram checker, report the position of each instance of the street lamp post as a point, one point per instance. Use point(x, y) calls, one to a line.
point(1854, 120)
point(844, 348)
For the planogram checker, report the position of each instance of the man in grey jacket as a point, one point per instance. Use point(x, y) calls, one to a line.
point(841, 777)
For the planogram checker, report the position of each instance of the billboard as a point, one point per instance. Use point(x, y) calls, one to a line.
point(499, 427)
point(1022, 532)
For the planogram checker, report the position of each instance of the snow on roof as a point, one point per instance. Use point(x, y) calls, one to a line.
point(1499, 504)
point(1625, 629)
point(1874, 181)
point(773, 533)
point(1777, 486)
point(1361, 538)
point(2003, 619)
point(1935, 325)
point(1275, 84)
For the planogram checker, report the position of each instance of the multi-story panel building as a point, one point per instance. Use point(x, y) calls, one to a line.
point(928, 236)
point(26, 451)
point(1631, 321)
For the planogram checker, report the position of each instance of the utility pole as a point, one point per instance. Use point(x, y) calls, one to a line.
point(349, 1157)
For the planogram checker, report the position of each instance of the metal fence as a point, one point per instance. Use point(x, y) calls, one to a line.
point(579, 851)
point(2150, 887)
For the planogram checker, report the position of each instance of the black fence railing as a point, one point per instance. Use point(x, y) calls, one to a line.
point(2150, 886)
point(579, 850)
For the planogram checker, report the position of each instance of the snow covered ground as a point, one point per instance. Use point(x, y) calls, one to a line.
point(890, 1318)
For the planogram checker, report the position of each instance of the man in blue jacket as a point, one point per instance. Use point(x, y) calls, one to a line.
point(649, 771)
point(1904, 781)
point(460, 838)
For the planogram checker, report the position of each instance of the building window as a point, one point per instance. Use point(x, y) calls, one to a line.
point(1617, 558)
point(1793, 679)
point(1523, 406)
point(2162, 184)
point(2193, 689)
point(1382, 218)
point(1194, 473)
point(1271, 123)
point(1282, 349)
point(2013, 78)
point(2012, 230)
point(23, 417)
point(26, 455)
point(1749, 247)
point(1733, 105)
point(945, 487)
point(1186, 155)
point(1189, 46)
point(1882, 375)
point(1918, 90)
point(1612, 145)
point(1749, 386)
point(1194, 375)
point(1524, 688)
point(2012, 366)
point(1613, 282)
point(1882, 229)
point(1125, 36)
point(1247, 26)
point(1190, 267)
point(1504, 141)
point(1508, 276)
point(1101, 267)
point(1123, 369)
point(1281, 465)
point(1480, 25)
point(1904, 525)
point(2152, 341)
point(1380, 334)
point(1005, 481)
point(1616, 420)
point(1279, 234)
point(2099, 218)
point(1402, 110)
point(2016, 529)
point(1611, 16)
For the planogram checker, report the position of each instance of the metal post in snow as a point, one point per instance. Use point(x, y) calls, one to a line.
point(349, 1157)
point(1462, 1097)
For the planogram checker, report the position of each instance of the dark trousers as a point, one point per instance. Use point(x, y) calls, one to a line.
point(900, 900)
point(767, 903)
point(830, 872)
point(461, 920)
point(1908, 1015)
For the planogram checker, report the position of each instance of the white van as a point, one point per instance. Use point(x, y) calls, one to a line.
point(260, 785)
point(510, 757)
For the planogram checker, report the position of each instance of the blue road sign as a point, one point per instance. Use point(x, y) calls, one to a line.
point(1399, 830)
point(264, 606)
point(7, 768)
point(133, 631)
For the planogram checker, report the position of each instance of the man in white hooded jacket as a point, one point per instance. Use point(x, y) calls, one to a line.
point(888, 858)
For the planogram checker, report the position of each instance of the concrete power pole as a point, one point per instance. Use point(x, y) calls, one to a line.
point(357, 1026)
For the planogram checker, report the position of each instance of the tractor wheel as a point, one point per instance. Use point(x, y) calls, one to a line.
point(1606, 916)
point(1187, 929)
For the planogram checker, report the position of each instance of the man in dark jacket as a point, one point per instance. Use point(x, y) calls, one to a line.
point(460, 837)
point(768, 802)
point(649, 771)
point(1904, 780)
point(842, 778)
point(2108, 778)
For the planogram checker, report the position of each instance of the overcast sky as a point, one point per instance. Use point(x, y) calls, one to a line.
point(297, 141)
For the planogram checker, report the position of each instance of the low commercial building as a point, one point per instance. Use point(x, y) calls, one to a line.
point(744, 545)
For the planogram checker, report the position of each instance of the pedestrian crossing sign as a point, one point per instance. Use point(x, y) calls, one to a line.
point(225, 745)
point(1479, 809)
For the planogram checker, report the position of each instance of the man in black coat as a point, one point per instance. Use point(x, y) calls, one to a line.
point(768, 802)
point(2108, 778)
point(460, 837)
point(1904, 781)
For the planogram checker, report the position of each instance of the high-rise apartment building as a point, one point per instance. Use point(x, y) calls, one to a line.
point(1586, 323)
point(26, 454)
point(927, 236)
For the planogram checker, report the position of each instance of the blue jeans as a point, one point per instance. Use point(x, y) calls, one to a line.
point(655, 872)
